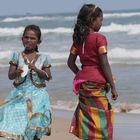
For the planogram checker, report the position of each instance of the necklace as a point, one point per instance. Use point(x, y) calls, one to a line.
point(26, 60)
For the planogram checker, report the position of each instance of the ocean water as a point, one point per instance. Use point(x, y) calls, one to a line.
point(122, 30)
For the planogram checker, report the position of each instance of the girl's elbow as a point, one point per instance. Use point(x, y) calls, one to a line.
point(10, 76)
point(68, 63)
point(49, 78)
point(105, 64)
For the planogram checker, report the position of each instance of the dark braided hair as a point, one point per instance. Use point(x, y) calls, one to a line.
point(37, 31)
point(87, 14)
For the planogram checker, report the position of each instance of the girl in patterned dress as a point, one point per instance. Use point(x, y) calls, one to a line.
point(26, 112)
point(93, 117)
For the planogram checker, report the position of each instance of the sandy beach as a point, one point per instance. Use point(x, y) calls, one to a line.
point(127, 127)
point(123, 54)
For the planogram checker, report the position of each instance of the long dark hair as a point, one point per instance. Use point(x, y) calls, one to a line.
point(37, 31)
point(87, 14)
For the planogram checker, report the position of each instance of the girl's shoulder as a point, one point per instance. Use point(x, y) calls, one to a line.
point(15, 55)
point(100, 37)
point(97, 34)
point(45, 57)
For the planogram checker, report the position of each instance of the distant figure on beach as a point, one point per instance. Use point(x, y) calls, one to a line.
point(93, 117)
point(26, 112)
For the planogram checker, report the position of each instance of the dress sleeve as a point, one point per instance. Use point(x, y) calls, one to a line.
point(14, 59)
point(47, 61)
point(101, 44)
point(74, 49)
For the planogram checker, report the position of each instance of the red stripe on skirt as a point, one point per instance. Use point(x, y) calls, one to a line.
point(109, 125)
point(98, 103)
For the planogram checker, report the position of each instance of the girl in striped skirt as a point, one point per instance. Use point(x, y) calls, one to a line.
point(93, 117)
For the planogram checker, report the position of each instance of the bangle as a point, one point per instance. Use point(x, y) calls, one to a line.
point(47, 74)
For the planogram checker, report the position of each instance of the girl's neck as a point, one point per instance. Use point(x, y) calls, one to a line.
point(29, 52)
point(91, 30)
point(29, 57)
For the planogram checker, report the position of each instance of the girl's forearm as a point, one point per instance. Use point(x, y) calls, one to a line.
point(43, 75)
point(71, 63)
point(108, 75)
point(12, 75)
point(107, 70)
point(74, 68)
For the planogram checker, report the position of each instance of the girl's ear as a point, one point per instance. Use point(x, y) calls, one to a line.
point(39, 42)
point(22, 38)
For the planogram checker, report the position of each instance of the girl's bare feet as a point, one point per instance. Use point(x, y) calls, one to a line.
point(36, 138)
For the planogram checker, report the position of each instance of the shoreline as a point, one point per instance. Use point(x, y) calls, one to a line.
point(126, 126)
point(123, 125)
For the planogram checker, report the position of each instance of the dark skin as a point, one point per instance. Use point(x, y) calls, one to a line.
point(71, 63)
point(108, 74)
point(36, 138)
point(30, 41)
point(95, 27)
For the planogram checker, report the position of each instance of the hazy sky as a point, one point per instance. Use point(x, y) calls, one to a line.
point(17, 7)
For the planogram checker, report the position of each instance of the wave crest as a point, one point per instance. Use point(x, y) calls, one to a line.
point(67, 17)
point(116, 56)
point(118, 107)
point(129, 28)
point(19, 30)
point(121, 15)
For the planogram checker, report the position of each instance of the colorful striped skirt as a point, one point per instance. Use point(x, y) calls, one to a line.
point(93, 118)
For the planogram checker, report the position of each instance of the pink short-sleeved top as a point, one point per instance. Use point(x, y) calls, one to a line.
point(94, 45)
